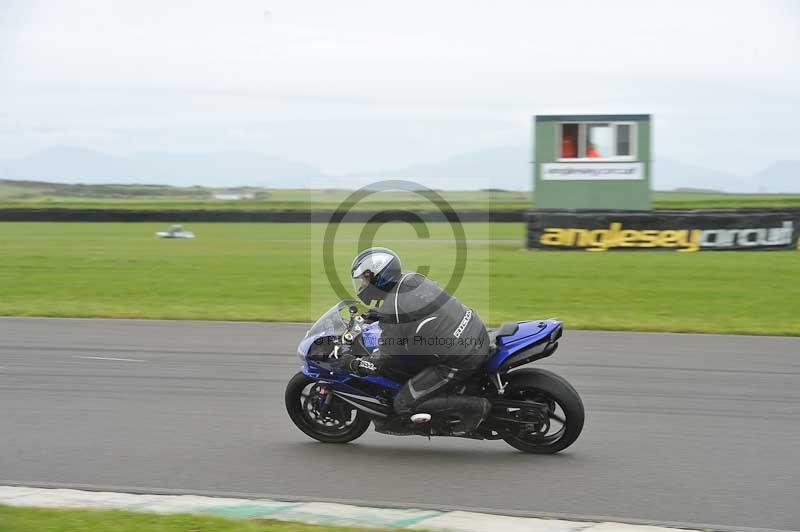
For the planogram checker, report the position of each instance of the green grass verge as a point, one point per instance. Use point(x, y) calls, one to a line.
point(56, 520)
point(272, 272)
point(43, 195)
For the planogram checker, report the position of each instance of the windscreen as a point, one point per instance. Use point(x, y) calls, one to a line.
point(334, 322)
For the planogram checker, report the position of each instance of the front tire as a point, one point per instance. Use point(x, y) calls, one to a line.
point(346, 425)
point(566, 410)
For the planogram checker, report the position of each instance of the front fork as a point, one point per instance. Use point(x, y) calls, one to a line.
point(325, 399)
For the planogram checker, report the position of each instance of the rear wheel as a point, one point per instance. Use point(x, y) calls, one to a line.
point(565, 415)
point(336, 422)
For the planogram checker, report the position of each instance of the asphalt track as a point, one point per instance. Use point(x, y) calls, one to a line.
point(680, 428)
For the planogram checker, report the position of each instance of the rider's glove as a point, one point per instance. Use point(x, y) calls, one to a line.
point(369, 365)
point(347, 362)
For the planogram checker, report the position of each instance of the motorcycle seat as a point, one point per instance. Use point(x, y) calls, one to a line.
point(506, 329)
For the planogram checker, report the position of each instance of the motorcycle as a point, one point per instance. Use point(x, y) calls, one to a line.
point(533, 410)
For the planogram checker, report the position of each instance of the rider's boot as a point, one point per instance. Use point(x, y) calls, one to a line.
point(469, 412)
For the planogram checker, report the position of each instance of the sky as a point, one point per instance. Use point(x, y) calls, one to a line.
point(357, 86)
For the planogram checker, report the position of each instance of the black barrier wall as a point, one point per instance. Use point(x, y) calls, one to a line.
point(591, 230)
point(700, 230)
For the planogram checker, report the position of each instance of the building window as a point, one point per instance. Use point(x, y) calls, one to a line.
point(623, 140)
point(569, 141)
point(596, 141)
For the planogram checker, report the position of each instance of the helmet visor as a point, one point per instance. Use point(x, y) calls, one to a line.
point(360, 283)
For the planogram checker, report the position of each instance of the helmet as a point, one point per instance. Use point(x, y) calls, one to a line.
point(375, 271)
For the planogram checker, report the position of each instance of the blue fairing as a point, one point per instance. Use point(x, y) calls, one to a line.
point(528, 334)
point(324, 372)
point(316, 371)
point(305, 345)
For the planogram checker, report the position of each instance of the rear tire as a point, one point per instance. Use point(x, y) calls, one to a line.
point(547, 385)
point(295, 399)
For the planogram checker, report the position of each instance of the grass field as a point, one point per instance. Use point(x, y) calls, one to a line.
point(273, 272)
point(52, 520)
point(42, 195)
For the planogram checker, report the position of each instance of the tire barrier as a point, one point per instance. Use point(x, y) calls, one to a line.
point(678, 230)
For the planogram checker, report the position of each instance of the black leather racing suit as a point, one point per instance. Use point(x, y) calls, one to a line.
point(419, 318)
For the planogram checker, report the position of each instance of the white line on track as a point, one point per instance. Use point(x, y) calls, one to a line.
point(115, 359)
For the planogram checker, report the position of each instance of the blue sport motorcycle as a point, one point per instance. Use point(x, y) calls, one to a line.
point(533, 410)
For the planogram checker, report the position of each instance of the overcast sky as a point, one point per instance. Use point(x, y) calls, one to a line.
point(354, 86)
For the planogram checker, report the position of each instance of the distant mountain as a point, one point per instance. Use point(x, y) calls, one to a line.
point(510, 168)
point(691, 190)
point(506, 167)
point(222, 169)
point(783, 176)
point(669, 174)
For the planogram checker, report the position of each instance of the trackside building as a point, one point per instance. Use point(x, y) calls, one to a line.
point(592, 161)
point(592, 186)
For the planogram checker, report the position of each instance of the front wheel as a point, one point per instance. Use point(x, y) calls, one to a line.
point(336, 422)
point(565, 414)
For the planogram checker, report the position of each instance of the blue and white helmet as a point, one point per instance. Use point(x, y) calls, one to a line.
point(375, 271)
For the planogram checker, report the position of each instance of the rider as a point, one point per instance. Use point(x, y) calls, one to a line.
point(420, 318)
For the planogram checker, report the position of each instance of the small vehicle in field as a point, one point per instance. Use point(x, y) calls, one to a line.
point(175, 231)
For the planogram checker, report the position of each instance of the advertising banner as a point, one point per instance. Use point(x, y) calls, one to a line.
point(699, 230)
